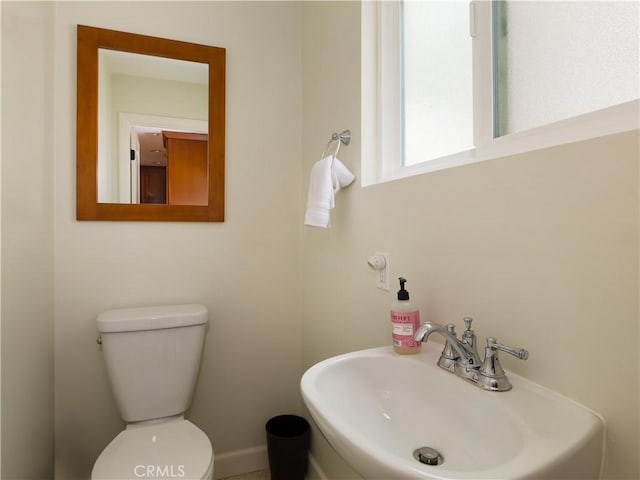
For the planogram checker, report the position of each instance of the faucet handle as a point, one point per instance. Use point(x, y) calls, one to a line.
point(520, 353)
point(491, 375)
point(467, 322)
point(469, 336)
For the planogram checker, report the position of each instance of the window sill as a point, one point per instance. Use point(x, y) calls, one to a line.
point(616, 119)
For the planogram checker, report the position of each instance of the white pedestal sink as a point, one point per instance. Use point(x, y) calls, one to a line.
point(376, 407)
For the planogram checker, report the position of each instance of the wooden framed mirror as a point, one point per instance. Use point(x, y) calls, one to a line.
point(104, 196)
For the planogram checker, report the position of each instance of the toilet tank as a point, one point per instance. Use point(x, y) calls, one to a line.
point(152, 355)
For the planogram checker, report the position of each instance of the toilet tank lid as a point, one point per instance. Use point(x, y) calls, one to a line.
point(151, 318)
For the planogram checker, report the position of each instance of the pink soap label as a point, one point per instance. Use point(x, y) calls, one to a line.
point(404, 326)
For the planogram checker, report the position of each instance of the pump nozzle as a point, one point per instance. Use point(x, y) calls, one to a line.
point(402, 293)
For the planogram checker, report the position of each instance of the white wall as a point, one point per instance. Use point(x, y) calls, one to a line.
point(541, 248)
point(0, 246)
point(27, 242)
point(246, 270)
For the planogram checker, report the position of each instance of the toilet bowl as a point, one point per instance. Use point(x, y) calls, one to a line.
point(152, 356)
point(171, 449)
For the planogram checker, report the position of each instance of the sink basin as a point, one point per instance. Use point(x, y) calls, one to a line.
point(376, 407)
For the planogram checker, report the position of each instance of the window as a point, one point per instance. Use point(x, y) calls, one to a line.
point(437, 83)
point(445, 83)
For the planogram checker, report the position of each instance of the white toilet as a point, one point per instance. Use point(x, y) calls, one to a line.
point(152, 356)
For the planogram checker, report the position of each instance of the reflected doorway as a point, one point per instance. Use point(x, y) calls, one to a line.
point(163, 160)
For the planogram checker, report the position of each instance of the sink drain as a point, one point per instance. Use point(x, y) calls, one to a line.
point(428, 456)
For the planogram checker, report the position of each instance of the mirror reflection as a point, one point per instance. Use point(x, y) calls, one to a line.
point(133, 88)
point(152, 129)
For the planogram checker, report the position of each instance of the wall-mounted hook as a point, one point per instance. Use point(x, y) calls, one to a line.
point(380, 263)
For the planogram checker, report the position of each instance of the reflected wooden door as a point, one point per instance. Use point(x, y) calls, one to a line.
point(153, 184)
point(187, 174)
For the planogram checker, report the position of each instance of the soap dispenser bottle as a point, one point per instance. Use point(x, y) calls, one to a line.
point(405, 320)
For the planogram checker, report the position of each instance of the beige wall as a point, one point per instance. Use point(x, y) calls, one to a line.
point(541, 248)
point(27, 242)
point(244, 270)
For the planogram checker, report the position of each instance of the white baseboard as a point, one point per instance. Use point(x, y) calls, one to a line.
point(240, 461)
point(315, 470)
point(253, 459)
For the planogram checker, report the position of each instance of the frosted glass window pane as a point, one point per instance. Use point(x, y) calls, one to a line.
point(437, 80)
point(560, 59)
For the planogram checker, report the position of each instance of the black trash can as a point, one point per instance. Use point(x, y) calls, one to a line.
point(288, 438)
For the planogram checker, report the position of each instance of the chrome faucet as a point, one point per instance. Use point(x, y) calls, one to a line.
point(467, 355)
point(461, 358)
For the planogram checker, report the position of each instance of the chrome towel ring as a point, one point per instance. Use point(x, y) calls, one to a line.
point(340, 138)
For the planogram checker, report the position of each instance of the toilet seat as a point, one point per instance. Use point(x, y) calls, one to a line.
point(168, 450)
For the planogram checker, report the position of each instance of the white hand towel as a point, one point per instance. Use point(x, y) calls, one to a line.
point(327, 177)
